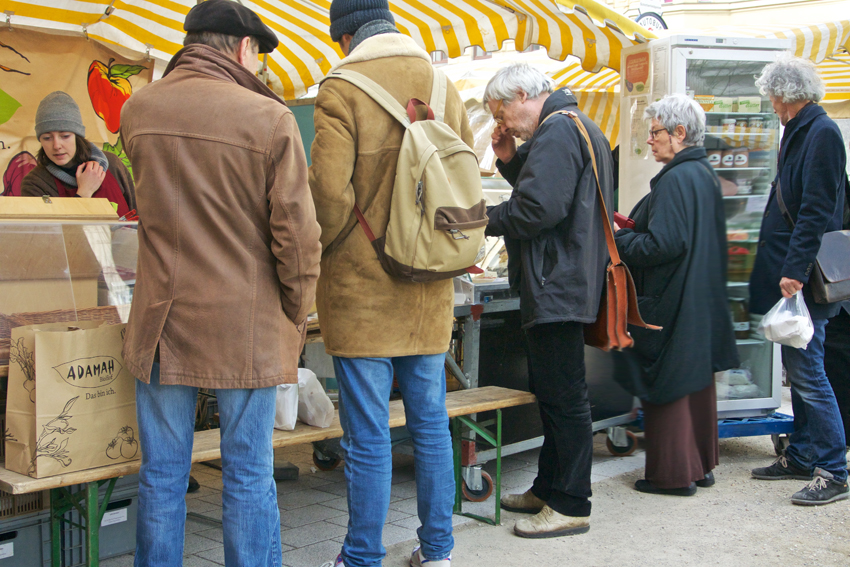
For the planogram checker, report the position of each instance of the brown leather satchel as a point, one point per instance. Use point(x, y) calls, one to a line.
point(618, 307)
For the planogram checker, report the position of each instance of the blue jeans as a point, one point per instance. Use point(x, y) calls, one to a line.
point(818, 438)
point(365, 385)
point(250, 516)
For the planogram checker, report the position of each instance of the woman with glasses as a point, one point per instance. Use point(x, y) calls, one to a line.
point(677, 255)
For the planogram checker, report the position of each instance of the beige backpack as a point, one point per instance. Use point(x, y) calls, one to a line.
point(437, 214)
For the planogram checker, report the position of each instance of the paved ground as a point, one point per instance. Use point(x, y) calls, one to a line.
point(739, 522)
point(313, 509)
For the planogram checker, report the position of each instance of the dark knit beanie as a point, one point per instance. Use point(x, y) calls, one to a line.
point(58, 112)
point(347, 16)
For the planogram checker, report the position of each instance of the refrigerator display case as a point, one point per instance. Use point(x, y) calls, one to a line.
point(742, 143)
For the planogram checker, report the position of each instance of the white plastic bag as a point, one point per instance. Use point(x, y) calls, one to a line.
point(286, 406)
point(314, 405)
point(789, 323)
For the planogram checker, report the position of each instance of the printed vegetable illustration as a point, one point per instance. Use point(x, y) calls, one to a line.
point(21, 356)
point(61, 424)
point(19, 54)
point(17, 169)
point(123, 445)
point(109, 88)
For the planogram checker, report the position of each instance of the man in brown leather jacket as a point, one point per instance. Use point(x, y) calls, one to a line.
point(228, 261)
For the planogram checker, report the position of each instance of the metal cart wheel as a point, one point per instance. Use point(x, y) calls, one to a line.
point(325, 464)
point(780, 443)
point(623, 451)
point(479, 495)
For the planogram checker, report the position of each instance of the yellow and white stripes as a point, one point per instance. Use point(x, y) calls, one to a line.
point(598, 96)
point(835, 72)
point(305, 53)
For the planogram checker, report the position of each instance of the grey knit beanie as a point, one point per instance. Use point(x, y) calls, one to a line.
point(347, 16)
point(58, 112)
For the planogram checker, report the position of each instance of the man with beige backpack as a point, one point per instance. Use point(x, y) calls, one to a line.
point(553, 230)
point(396, 226)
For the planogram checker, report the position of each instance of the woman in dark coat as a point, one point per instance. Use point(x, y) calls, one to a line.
point(71, 166)
point(677, 255)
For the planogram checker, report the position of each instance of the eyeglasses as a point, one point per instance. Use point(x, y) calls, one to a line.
point(499, 120)
point(654, 133)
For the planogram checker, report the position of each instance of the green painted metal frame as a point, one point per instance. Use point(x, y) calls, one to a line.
point(91, 513)
point(495, 441)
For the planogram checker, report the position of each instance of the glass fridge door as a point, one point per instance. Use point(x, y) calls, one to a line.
point(742, 141)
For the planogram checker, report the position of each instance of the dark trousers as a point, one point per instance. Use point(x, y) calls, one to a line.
point(556, 377)
point(681, 439)
point(836, 362)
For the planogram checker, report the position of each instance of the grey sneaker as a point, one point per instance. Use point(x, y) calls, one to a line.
point(823, 489)
point(781, 469)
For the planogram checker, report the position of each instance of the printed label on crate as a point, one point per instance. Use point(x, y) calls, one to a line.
point(7, 550)
point(756, 204)
point(114, 517)
point(741, 326)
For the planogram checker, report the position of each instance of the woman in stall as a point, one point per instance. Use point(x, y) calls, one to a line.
point(71, 166)
point(677, 254)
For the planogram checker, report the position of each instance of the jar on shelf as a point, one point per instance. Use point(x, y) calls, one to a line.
point(756, 123)
point(740, 317)
point(727, 125)
point(741, 123)
point(742, 157)
point(727, 158)
point(714, 157)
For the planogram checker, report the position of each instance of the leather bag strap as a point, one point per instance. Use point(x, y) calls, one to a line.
point(782, 208)
point(606, 220)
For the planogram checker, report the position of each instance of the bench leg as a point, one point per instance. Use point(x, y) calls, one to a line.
point(496, 442)
point(90, 511)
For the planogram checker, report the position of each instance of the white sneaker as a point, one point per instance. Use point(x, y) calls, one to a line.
point(336, 563)
point(418, 560)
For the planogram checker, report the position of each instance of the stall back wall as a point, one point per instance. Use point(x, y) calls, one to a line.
point(34, 64)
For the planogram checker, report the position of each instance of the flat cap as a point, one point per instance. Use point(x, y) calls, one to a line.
point(231, 18)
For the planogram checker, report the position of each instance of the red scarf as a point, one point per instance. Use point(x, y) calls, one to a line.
point(109, 189)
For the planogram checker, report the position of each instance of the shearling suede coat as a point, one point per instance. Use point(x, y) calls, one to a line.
point(228, 239)
point(363, 311)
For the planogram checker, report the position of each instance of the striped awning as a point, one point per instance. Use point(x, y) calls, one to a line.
point(835, 72)
point(306, 52)
point(815, 42)
point(598, 96)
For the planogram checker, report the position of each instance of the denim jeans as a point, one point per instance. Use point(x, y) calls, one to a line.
point(365, 385)
point(250, 516)
point(818, 438)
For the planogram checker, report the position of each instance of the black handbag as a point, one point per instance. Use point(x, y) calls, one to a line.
point(830, 279)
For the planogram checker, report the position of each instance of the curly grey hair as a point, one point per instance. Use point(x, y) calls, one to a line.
point(509, 81)
point(675, 110)
point(791, 79)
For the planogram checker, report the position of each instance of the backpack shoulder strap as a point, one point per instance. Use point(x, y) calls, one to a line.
point(439, 93)
point(374, 90)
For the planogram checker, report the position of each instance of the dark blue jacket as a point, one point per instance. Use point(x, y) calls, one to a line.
point(811, 176)
point(552, 223)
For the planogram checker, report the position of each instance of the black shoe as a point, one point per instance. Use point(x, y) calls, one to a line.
point(823, 489)
point(781, 469)
point(194, 485)
point(645, 486)
point(707, 481)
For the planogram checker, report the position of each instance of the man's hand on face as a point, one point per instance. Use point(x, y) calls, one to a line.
point(504, 145)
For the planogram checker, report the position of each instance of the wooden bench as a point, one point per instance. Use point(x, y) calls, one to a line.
point(460, 405)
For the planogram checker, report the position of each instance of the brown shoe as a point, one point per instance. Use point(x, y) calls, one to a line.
point(525, 503)
point(549, 523)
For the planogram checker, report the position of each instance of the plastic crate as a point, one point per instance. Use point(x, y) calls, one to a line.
point(117, 530)
point(25, 541)
point(16, 505)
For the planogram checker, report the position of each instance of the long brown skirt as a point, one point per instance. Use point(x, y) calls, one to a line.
point(681, 439)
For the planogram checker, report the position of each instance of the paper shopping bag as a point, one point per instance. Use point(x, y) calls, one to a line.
point(71, 403)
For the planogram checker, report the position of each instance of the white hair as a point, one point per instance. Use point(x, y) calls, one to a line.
point(791, 79)
point(515, 78)
point(679, 110)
